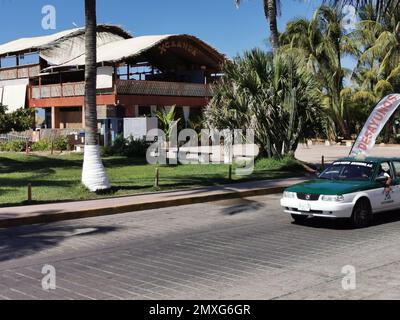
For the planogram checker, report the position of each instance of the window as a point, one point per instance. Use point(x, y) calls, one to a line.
point(347, 170)
point(384, 167)
point(144, 111)
point(396, 165)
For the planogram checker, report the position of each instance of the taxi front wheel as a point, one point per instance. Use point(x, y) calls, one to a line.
point(362, 214)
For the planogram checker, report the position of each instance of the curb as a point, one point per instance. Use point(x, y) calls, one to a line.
point(48, 218)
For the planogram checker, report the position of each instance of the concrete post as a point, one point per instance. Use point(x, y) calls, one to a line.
point(55, 118)
point(153, 110)
point(83, 117)
point(186, 114)
point(105, 130)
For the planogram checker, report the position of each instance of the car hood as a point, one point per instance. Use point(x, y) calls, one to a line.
point(330, 187)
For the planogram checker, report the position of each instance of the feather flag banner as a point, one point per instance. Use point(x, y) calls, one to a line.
point(374, 125)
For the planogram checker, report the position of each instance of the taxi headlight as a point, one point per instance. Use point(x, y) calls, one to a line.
point(333, 198)
point(290, 195)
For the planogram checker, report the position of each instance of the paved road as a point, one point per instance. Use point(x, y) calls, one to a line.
point(236, 249)
point(313, 154)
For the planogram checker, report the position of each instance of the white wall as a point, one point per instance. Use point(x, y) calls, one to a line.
point(14, 94)
point(104, 77)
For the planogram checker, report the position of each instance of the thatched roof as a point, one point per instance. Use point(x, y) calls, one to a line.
point(157, 48)
point(34, 44)
point(115, 46)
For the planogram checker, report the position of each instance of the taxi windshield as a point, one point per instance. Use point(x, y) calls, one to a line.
point(348, 171)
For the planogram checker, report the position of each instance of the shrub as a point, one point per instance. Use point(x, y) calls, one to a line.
point(106, 151)
point(136, 148)
point(286, 163)
point(60, 143)
point(41, 145)
point(126, 147)
point(396, 139)
point(13, 146)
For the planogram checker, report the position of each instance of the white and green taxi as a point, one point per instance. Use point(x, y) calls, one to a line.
point(349, 188)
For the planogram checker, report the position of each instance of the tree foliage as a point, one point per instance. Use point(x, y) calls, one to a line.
point(249, 95)
point(381, 8)
point(323, 42)
point(274, 95)
point(19, 120)
point(168, 119)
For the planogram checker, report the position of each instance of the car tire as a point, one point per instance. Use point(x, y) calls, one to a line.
point(299, 218)
point(362, 214)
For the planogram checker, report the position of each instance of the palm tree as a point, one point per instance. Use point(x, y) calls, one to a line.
point(378, 60)
point(93, 174)
point(323, 41)
point(167, 119)
point(380, 7)
point(385, 49)
point(274, 95)
point(377, 72)
point(271, 11)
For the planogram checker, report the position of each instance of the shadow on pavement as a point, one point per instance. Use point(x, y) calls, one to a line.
point(344, 224)
point(25, 241)
point(239, 205)
point(386, 217)
point(335, 224)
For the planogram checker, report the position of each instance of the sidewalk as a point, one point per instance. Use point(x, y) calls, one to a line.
point(313, 154)
point(16, 216)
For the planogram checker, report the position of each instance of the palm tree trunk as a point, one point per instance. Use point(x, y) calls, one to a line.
point(93, 174)
point(343, 108)
point(271, 13)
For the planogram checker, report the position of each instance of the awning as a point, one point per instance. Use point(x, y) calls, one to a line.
point(14, 96)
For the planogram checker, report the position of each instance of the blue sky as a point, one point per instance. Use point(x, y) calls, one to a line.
point(217, 22)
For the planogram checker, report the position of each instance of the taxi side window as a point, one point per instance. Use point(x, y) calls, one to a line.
point(385, 167)
point(396, 165)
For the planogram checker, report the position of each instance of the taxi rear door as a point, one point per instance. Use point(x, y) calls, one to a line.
point(395, 188)
point(382, 198)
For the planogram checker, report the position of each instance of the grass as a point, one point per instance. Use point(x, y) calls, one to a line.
point(57, 178)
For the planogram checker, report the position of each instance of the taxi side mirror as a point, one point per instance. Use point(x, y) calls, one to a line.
point(382, 179)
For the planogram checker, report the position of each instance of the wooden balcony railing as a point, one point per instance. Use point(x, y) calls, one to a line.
point(20, 72)
point(124, 87)
point(58, 90)
point(163, 88)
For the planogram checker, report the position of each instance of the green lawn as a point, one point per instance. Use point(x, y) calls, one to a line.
point(57, 178)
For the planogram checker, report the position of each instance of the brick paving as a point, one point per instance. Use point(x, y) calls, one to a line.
point(231, 249)
point(314, 153)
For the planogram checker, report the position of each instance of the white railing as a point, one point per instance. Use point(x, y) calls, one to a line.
point(15, 136)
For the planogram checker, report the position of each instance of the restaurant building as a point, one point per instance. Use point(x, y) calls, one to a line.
point(136, 76)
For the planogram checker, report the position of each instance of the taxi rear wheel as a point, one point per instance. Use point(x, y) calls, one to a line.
point(299, 218)
point(362, 214)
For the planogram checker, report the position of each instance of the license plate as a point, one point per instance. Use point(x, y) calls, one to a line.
point(304, 206)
